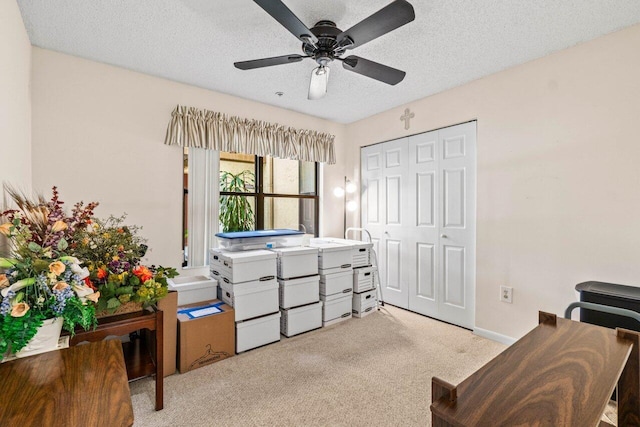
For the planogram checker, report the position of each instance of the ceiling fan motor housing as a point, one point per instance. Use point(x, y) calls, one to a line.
point(325, 51)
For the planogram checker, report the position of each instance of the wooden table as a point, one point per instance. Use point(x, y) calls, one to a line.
point(78, 386)
point(140, 362)
point(562, 373)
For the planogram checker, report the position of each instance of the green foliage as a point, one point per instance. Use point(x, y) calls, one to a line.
point(16, 332)
point(78, 313)
point(236, 213)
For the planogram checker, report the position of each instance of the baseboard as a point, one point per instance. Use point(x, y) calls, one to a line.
point(494, 336)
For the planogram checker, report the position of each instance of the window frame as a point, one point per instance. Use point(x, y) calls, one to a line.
point(260, 195)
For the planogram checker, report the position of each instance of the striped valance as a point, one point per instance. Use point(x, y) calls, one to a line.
point(192, 127)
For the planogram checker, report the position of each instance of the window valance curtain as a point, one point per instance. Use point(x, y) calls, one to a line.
point(192, 127)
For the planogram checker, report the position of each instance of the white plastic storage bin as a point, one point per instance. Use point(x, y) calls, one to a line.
point(364, 278)
point(297, 262)
point(294, 321)
point(259, 239)
point(338, 320)
point(257, 332)
point(295, 292)
point(239, 267)
point(364, 303)
point(251, 299)
point(360, 251)
point(336, 283)
point(193, 289)
point(332, 256)
point(336, 306)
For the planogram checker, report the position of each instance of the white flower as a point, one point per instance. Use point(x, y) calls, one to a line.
point(82, 272)
point(82, 290)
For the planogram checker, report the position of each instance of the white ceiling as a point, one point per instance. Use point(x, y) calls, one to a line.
point(451, 42)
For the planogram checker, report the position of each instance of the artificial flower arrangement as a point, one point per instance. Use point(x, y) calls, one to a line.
point(112, 252)
point(40, 279)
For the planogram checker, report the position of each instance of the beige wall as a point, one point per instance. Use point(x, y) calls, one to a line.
point(557, 162)
point(98, 134)
point(15, 98)
point(558, 184)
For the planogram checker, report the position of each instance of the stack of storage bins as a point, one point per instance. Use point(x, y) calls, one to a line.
point(248, 284)
point(336, 287)
point(300, 306)
point(364, 299)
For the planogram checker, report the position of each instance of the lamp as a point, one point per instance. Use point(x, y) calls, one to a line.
point(349, 205)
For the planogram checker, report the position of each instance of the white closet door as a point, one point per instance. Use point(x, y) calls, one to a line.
point(418, 202)
point(371, 194)
point(396, 206)
point(423, 224)
point(457, 226)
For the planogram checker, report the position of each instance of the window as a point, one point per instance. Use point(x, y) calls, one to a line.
point(281, 193)
point(250, 193)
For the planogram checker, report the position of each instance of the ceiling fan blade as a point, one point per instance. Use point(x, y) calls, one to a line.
point(387, 19)
point(374, 70)
point(318, 84)
point(287, 19)
point(268, 62)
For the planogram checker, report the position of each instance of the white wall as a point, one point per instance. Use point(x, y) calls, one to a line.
point(15, 98)
point(558, 197)
point(98, 134)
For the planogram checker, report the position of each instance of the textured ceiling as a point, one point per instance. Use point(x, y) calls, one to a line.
point(451, 42)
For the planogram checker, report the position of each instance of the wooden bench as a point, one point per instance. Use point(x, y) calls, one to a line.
point(562, 373)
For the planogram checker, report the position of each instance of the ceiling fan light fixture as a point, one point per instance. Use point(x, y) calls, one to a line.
point(318, 84)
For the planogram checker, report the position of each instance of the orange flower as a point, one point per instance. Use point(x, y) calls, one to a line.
point(57, 268)
point(143, 273)
point(6, 228)
point(60, 286)
point(102, 273)
point(59, 226)
point(4, 282)
point(120, 230)
point(93, 297)
point(19, 309)
point(89, 283)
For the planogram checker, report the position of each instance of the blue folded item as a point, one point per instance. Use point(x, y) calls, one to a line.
point(258, 233)
point(201, 311)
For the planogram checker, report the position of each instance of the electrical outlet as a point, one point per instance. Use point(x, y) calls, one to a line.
point(506, 294)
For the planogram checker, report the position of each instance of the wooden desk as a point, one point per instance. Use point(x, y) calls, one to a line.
point(138, 360)
point(78, 386)
point(562, 373)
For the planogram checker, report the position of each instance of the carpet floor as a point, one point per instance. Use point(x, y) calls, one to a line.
point(371, 371)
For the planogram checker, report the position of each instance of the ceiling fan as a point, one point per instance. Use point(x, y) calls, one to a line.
point(325, 42)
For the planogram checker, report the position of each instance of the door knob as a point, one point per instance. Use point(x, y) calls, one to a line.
point(444, 236)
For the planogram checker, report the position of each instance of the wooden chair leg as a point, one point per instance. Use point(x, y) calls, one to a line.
point(629, 383)
point(159, 361)
point(440, 389)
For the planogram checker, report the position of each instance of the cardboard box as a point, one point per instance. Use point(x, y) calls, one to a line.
point(205, 340)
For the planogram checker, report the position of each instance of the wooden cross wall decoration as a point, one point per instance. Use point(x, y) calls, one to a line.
point(408, 115)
